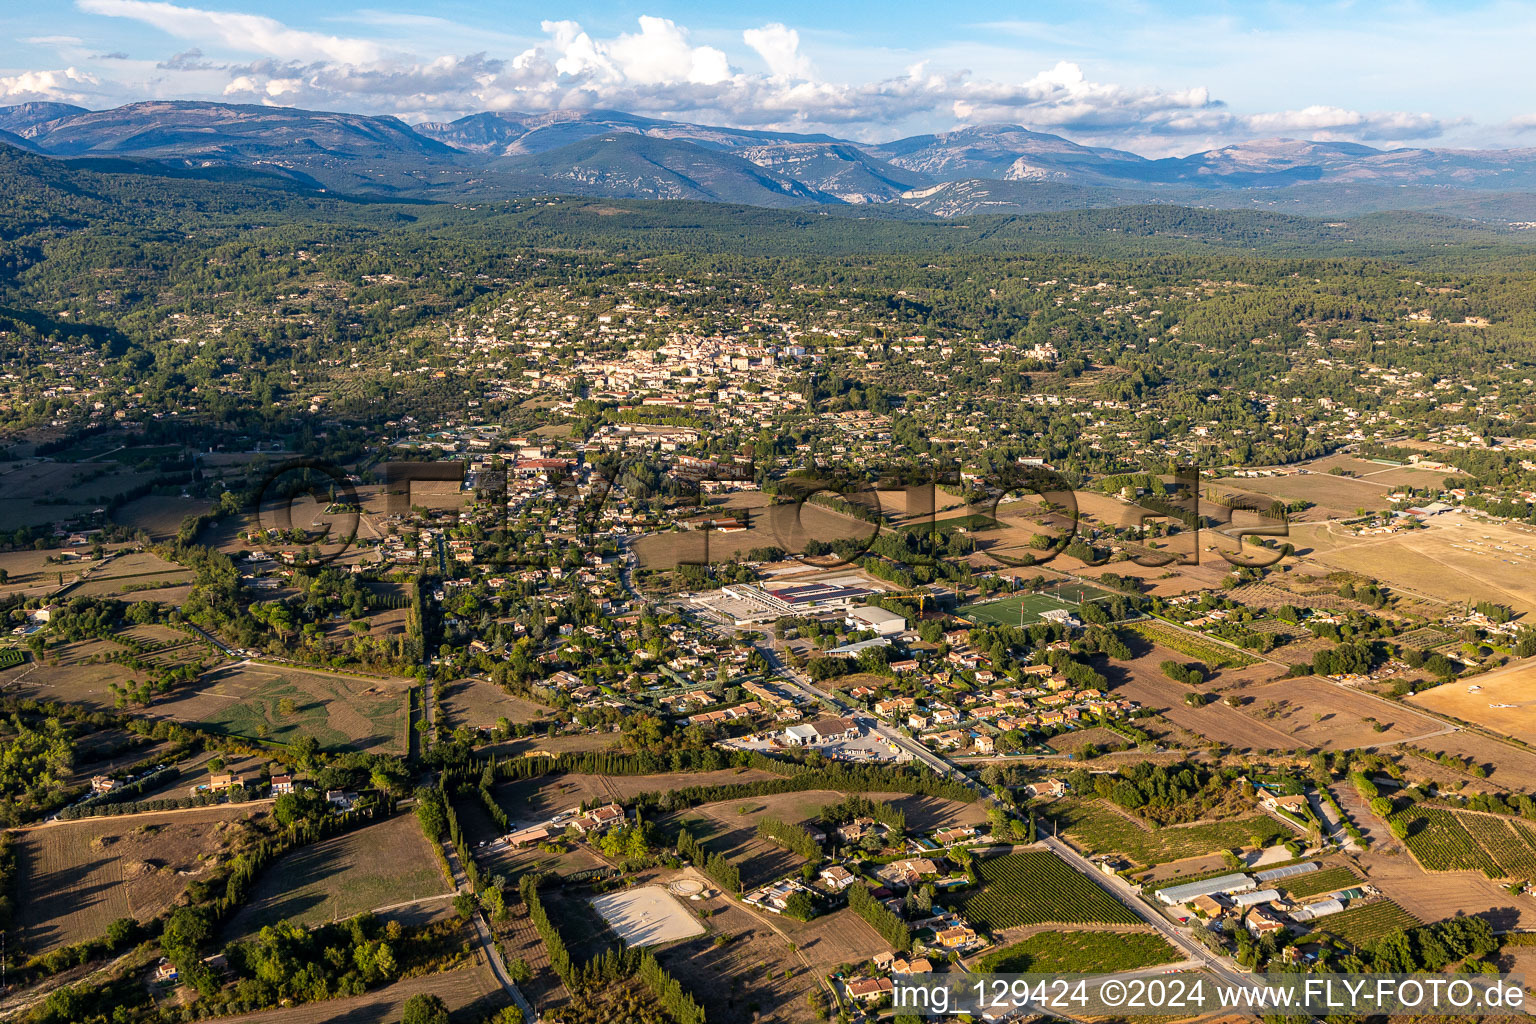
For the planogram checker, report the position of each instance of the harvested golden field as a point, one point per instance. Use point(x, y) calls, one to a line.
point(1510, 767)
point(1333, 495)
point(1444, 894)
point(78, 877)
point(1503, 701)
point(1320, 715)
point(1142, 680)
point(1455, 559)
point(478, 703)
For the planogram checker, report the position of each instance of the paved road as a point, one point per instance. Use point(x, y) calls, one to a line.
point(221, 645)
point(627, 564)
point(802, 684)
point(920, 753)
point(487, 940)
point(265, 801)
point(1176, 936)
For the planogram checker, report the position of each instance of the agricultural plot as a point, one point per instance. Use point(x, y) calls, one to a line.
point(1455, 558)
point(1283, 632)
point(1509, 767)
point(1038, 888)
point(1318, 882)
point(75, 673)
point(1440, 843)
point(1207, 652)
point(1503, 700)
point(538, 799)
point(268, 702)
point(1099, 829)
point(1446, 840)
point(81, 672)
point(77, 878)
point(1367, 923)
point(1425, 638)
point(971, 522)
point(129, 574)
point(1319, 715)
point(470, 993)
point(478, 703)
point(783, 525)
point(383, 865)
point(1511, 844)
point(160, 515)
point(1018, 610)
point(1333, 496)
point(1079, 953)
point(39, 493)
point(762, 973)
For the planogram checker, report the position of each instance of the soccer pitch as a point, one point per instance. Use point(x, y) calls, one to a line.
point(1013, 610)
point(1076, 593)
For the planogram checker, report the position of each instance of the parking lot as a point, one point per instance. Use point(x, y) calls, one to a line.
point(868, 747)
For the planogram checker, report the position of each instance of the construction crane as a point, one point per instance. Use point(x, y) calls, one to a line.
point(923, 596)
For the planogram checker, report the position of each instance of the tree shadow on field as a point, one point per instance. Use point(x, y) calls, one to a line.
point(257, 915)
point(1503, 919)
point(59, 897)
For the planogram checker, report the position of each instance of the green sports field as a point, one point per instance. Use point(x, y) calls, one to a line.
point(1007, 611)
point(1076, 593)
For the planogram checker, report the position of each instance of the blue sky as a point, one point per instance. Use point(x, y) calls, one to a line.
point(1157, 77)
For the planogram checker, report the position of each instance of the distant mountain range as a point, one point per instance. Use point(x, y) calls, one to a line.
point(987, 168)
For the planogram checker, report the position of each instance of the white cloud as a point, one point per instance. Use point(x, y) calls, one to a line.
point(1325, 122)
point(247, 33)
point(68, 85)
point(660, 54)
point(779, 46)
point(657, 69)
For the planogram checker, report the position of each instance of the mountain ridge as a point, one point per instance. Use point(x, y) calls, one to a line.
point(995, 167)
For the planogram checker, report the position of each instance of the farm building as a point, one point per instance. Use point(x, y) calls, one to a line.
point(1254, 898)
point(1313, 911)
point(527, 836)
point(1289, 871)
point(1176, 894)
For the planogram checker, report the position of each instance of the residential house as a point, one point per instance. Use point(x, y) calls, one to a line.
point(957, 937)
point(1293, 804)
point(599, 819)
point(868, 989)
